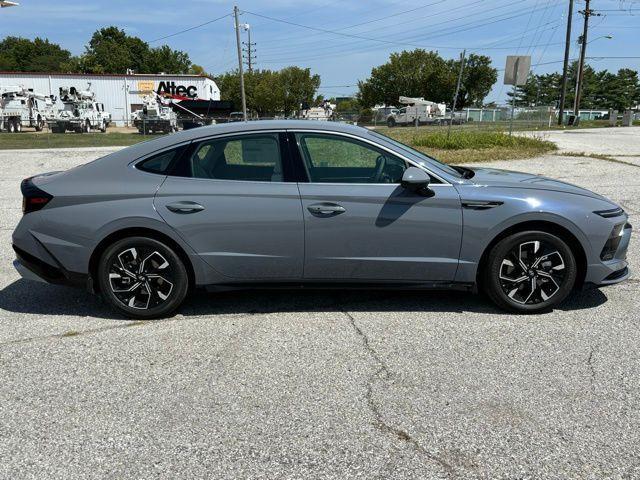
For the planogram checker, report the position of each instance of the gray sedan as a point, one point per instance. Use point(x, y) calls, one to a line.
point(282, 204)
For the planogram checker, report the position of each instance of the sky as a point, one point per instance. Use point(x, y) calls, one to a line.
point(342, 40)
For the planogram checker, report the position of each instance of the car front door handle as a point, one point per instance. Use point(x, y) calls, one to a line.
point(185, 207)
point(326, 209)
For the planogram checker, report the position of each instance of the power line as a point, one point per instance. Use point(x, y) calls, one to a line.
point(379, 40)
point(388, 26)
point(337, 32)
point(191, 28)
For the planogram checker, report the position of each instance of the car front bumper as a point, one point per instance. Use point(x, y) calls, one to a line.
point(615, 270)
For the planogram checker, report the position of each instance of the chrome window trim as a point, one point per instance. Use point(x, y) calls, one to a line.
point(445, 183)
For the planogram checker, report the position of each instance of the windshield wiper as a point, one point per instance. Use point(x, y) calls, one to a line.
point(464, 171)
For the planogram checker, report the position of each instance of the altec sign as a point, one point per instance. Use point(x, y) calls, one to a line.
point(171, 88)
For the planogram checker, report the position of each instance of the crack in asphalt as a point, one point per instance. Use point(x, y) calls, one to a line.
point(592, 368)
point(384, 374)
point(75, 333)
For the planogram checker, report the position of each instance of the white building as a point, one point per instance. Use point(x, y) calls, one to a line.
point(121, 94)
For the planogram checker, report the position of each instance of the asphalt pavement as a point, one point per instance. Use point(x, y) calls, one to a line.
point(320, 384)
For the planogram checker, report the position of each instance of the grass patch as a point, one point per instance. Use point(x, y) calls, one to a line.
point(465, 139)
point(68, 140)
point(467, 146)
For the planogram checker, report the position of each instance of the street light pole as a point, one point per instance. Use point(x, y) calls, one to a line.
point(240, 70)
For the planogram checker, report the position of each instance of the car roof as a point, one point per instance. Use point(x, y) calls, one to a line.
point(257, 125)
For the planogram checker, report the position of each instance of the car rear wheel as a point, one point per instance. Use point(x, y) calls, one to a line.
point(142, 278)
point(529, 272)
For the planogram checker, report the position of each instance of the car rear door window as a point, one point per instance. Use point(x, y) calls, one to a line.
point(338, 159)
point(254, 158)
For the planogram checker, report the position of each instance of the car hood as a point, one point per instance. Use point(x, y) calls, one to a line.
point(509, 179)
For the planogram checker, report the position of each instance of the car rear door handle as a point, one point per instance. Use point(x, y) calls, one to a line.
point(185, 207)
point(326, 209)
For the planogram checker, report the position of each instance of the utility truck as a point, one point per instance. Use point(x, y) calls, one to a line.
point(21, 107)
point(155, 117)
point(81, 113)
point(417, 111)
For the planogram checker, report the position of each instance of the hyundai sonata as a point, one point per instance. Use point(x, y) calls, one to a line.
point(279, 204)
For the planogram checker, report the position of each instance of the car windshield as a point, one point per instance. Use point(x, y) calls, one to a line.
point(423, 158)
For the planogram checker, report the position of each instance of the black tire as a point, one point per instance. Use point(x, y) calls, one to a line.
point(103, 127)
point(391, 122)
point(87, 127)
point(18, 126)
point(39, 124)
point(11, 126)
point(161, 288)
point(529, 272)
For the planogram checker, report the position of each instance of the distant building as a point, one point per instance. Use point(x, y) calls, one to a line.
point(121, 94)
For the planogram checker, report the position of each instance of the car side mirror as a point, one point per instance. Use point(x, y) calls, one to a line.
point(416, 180)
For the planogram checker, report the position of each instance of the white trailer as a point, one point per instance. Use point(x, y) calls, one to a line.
point(21, 107)
point(417, 110)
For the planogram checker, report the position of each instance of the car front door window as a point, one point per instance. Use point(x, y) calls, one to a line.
point(334, 159)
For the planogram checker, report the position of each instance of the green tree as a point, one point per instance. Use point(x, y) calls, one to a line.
point(600, 89)
point(622, 90)
point(477, 80)
point(297, 85)
point(348, 106)
point(271, 92)
point(111, 50)
point(419, 73)
point(539, 90)
point(197, 70)
point(38, 55)
point(165, 59)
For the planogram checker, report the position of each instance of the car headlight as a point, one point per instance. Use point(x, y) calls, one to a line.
point(611, 213)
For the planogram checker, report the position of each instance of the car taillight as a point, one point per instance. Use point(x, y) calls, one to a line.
point(33, 198)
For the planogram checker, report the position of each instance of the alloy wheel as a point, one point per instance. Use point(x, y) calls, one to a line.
point(532, 272)
point(141, 278)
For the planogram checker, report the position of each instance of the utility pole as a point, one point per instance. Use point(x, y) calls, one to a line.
point(250, 50)
point(587, 12)
point(565, 68)
point(455, 95)
point(240, 71)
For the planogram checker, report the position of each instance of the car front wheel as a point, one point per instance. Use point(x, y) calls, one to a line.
point(142, 278)
point(529, 272)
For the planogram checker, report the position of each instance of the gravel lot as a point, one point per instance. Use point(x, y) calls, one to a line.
point(320, 384)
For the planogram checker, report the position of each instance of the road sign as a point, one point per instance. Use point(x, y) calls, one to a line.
point(517, 69)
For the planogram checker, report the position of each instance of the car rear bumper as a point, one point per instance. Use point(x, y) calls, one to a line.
point(32, 268)
point(26, 273)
